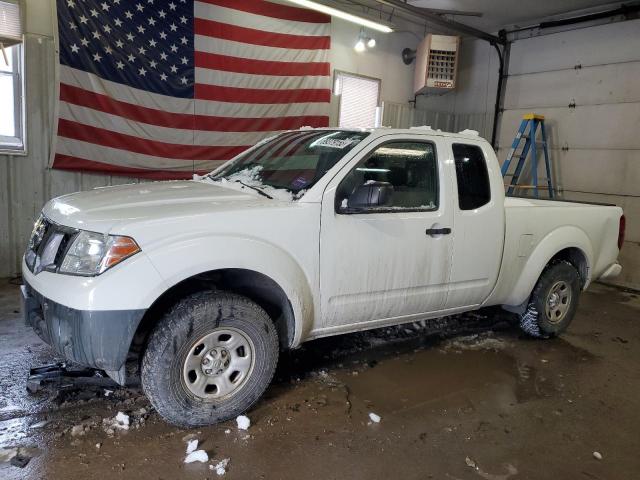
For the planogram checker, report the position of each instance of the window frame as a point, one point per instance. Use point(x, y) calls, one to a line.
point(7, 144)
point(336, 74)
point(357, 211)
point(486, 170)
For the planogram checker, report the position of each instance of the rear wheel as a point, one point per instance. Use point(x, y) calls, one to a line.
point(553, 302)
point(209, 359)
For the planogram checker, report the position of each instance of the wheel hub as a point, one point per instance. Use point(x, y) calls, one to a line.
point(215, 362)
point(558, 302)
point(554, 299)
point(218, 364)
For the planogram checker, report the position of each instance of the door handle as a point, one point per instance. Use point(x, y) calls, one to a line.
point(438, 231)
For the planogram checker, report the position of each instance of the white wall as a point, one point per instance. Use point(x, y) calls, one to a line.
point(473, 99)
point(594, 146)
point(25, 182)
point(383, 62)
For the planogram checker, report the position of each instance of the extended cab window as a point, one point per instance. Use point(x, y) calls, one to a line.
point(472, 176)
point(402, 174)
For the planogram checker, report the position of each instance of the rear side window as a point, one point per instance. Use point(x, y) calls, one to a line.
point(472, 176)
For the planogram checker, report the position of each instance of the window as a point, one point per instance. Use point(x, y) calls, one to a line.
point(293, 160)
point(359, 100)
point(11, 78)
point(409, 168)
point(472, 176)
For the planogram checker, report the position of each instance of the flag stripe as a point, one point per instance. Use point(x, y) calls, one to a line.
point(211, 28)
point(260, 67)
point(157, 148)
point(257, 52)
point(68, 162)
point(237, 18)
point(164, 104)
point(118, 91)
point(103, 103)
point(243, 80)
point(187, 136)
point(256, 95)
point(273, 10)
point(82, 149)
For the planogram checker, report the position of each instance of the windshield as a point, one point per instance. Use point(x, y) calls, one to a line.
point(291, 161)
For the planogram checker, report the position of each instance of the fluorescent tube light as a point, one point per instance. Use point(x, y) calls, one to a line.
point(334, 12)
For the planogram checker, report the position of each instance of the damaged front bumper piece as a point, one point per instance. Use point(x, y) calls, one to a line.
point(95, 339)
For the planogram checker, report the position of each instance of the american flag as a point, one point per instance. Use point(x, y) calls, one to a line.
point(167, 88)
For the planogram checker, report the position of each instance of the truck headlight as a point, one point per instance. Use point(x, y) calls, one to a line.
point(93, 253)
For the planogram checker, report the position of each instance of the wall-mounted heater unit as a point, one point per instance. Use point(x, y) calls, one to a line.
point(436, 63)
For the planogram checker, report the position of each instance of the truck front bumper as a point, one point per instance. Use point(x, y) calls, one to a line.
point(97, 339)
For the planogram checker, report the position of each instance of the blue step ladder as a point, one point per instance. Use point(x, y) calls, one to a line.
point(527, 132)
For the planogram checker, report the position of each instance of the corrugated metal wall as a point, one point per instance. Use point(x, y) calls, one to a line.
point(403, 115)
point(25, 182)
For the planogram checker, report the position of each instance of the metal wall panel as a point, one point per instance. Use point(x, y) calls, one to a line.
point(611, 83)
point(602, 44)
point(607, 126)
point(622, 172)
point(397, 115)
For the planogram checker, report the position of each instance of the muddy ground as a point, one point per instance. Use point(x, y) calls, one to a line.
point(479, 402)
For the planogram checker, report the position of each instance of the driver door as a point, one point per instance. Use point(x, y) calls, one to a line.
point(383, 262)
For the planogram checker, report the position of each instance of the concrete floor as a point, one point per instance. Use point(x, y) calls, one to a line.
point(482, 404)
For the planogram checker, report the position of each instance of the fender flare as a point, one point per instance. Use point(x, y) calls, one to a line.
point(247, 253)
point(554, 242)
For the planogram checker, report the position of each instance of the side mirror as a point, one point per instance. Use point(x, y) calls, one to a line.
point(369, 195)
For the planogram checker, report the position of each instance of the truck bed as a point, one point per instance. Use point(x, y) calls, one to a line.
point(591, 229)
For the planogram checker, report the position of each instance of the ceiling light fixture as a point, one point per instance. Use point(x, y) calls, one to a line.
point(364, 41)
point(334, 12)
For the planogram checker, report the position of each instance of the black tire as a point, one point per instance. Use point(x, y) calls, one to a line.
point(171, 344)
point(536, 320)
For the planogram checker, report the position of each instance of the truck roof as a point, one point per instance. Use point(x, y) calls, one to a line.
point(425, 129)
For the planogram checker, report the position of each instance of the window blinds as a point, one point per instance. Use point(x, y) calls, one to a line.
point(359, 101)
point(10, 24)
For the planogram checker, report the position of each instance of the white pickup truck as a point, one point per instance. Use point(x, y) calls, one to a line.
point(199, 284)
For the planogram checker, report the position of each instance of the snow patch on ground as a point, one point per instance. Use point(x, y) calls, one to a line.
point(374, 417)
point(243, 422)
point(197, 456)
point(220, 467)
point(192, 446)
point(122, 420)
point(119, 422)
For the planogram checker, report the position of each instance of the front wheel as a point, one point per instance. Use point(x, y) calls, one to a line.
point(209, 359)
point(553, 302)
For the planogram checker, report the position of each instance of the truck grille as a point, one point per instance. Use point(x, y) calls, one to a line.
point(47, 245)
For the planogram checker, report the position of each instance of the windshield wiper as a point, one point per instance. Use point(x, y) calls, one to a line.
point(256, 189)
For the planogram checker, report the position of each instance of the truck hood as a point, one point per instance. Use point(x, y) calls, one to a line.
point(103, 209)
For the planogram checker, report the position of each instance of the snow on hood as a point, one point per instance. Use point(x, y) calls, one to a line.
point(251, 177)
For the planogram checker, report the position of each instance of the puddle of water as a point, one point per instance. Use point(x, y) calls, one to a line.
point(448, 378)
point(432, 379)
